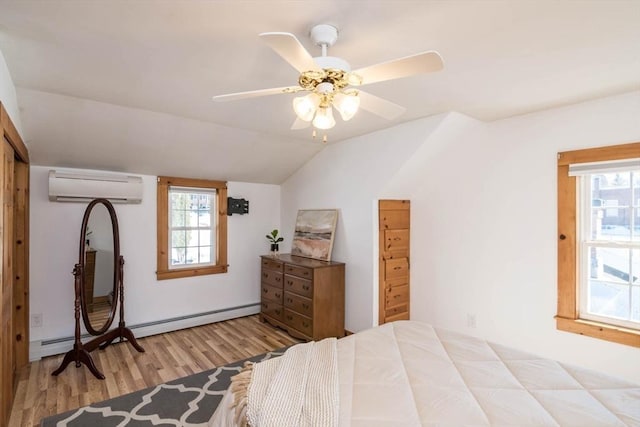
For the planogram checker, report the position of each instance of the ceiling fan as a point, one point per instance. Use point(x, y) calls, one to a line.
point(330, 83)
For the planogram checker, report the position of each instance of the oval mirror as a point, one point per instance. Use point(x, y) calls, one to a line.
point(99, 254)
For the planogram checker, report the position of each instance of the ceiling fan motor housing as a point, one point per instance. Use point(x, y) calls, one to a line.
point(324, 35)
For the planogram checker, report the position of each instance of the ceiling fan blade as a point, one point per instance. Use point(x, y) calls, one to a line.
point(380, 107)
point(300, 124)
point(425, 62)
point(291, 50)
point(256, 93)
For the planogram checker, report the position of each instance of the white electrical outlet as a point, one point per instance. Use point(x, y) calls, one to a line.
point(471, 320)
point(36, 320)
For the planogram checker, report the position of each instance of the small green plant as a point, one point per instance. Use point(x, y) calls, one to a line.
point(273, 237)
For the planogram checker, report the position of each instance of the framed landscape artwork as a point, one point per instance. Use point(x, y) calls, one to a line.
point(314, 233)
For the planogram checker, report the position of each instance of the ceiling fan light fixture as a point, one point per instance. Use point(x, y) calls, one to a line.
point(324, 118)
point(347, 104)
point(306, 106)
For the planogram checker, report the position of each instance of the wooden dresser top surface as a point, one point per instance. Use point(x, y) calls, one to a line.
point(302, 261)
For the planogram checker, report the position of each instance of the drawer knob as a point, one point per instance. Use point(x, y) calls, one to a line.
point(265, 290)
point(278, 311)
point(289, 282)
point(289, 300)
point(305, 324)
point(305, 287)
point(277, 279)
point(289, 317)
point(305, 306)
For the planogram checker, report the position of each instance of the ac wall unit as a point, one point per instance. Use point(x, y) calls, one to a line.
point(84, 187)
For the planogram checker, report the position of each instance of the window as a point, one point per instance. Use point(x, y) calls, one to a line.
point(599, 243)
point(192, 227)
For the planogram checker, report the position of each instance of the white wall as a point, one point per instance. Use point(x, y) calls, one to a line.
point(8, 95)
point(55, 235)
point(483, 222)
point(347, 176)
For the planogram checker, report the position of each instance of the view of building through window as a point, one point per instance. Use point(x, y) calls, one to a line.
point(191, 237)
point(610, 288)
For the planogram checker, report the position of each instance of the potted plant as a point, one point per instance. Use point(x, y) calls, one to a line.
point(274, 239)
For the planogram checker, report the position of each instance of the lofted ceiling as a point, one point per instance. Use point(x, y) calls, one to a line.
point(126, 85)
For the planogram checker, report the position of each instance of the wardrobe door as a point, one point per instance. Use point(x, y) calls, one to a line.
point(394, 241)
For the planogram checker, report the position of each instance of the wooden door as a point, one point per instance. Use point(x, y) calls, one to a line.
point(394, 244)
point(14, 254)
point(8, 365)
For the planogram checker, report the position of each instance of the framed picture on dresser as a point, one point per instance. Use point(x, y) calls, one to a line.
point(314, 233)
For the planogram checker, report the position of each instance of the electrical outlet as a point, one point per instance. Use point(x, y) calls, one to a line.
point(36, 320)
point(471, 320)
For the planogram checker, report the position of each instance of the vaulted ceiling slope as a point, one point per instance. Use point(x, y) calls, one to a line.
point(127, 85)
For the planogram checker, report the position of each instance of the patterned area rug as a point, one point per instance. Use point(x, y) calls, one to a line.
point(185, 402)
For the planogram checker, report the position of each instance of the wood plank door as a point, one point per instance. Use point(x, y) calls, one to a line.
point(14, 254)
point(394, 218)
point(7, 359)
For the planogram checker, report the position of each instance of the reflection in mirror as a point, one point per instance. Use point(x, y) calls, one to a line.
point(99, 268)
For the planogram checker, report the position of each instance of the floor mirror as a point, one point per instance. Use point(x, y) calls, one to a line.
point(99, 287)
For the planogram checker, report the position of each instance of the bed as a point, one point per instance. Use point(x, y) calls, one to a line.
point(409, 373)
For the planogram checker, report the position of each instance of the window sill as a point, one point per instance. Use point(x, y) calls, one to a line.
point(190, 272)
point(599, 330)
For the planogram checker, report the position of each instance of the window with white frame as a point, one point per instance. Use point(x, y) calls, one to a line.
point(191, 234)
point(608, 246)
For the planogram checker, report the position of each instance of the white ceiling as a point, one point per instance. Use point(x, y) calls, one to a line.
point(127, 85)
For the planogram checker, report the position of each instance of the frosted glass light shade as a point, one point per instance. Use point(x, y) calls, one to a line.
point(306, 106)
point(346, 104)
point(324, 118)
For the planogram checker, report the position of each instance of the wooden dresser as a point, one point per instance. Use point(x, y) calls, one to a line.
point(304, 296)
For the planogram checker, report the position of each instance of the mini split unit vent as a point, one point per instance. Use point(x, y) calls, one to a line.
point(84, 187)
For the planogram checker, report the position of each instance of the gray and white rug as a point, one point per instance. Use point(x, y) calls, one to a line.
point(185, 402)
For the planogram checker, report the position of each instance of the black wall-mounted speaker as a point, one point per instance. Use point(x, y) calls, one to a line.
point(237, 206)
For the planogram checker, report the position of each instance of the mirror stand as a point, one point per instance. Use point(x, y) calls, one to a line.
point(81, 353)
point(84, 298)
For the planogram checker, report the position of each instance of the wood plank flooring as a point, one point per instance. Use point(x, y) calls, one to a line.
point(167, 357)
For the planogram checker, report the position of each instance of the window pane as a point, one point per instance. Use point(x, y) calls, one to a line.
point(635, 303)
point(205, 254)
point(609, 299)
point(635, 266)
point(192, 255)
point(191, 218)
point(609, 264)
point(178, 200)
point(177, 256)
point(204, 218)
point(178, 239)
point(205, 237)
point(611, 201)
point(192, 238)
point(177, 218)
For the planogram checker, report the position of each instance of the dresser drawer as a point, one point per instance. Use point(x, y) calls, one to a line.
point(296, 270)
point(299, 286)
point(298, 303)
point(272, 278)
point(272, 309)
point(298, 321)
point(272, 264)
point(272, 293)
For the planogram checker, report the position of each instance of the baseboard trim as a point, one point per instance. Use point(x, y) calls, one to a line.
point(50, 347)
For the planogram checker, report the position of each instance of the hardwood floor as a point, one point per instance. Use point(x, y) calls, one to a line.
point(167, 357)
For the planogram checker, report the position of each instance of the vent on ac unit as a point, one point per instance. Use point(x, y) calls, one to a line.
point(84, 187)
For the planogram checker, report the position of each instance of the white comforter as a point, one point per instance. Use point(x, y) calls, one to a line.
point(411, 374)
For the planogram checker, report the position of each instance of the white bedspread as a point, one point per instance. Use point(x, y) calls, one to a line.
point(411, 374)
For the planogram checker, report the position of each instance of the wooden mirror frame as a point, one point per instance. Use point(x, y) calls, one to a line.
point(80, 354)
point(116, 267)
